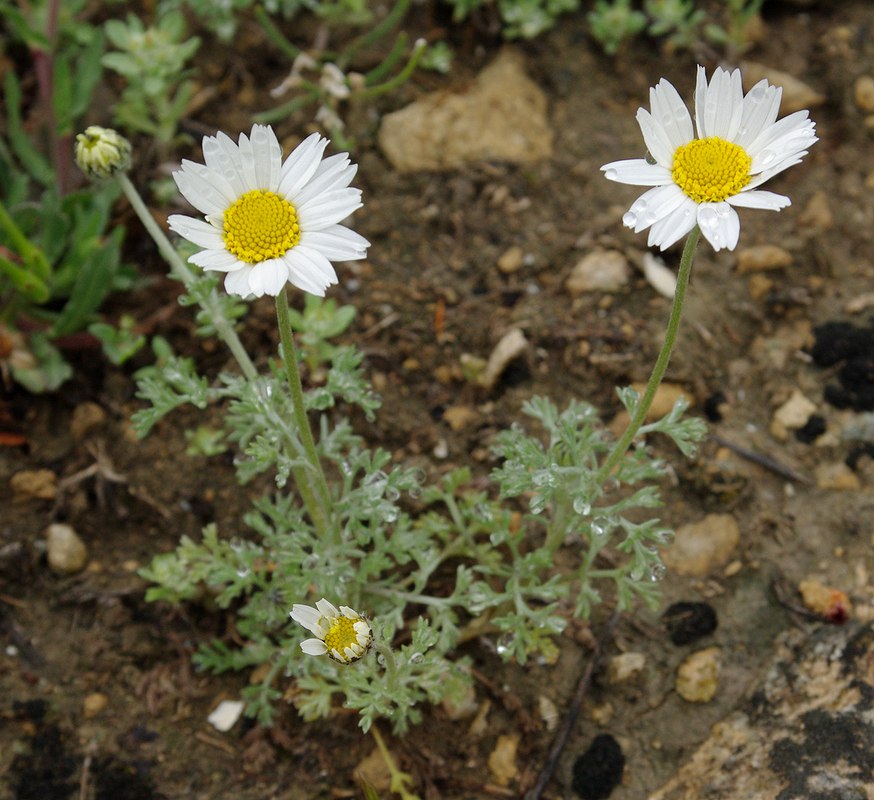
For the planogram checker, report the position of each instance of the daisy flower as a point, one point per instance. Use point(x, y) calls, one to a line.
point(269, 222)
point(702, 179)
point(344, 635)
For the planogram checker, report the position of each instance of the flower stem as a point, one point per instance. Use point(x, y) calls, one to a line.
point(312, 480)
point(183, 273)
point(661, 364)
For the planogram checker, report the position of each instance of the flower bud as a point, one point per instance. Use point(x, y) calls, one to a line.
point(102, 152)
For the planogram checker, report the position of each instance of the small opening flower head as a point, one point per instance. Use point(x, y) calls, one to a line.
point(102, 152)
point(344, 635)
point(268, 222)
point(702, 179)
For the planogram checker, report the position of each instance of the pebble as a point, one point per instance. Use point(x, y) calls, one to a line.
point(700, 548)
point(501, 117)
point(657, 275)
point(226, 714)
point(863, 92)
point(598, 771)
point(66, 552)
point(759, 286)
point(817, 215)
point(825, 601)
point(39, 484)
point(373, 771)
point(94, 704)
point(87, 418)
point(624, 667)
point(698, 675)
point(459, 417)
point(792, 415)
point(599, 271)
point(502, 760)
point(548, 712)
point(763, 257)
point(837, 476)
point(511, 346)
point(688, 622)
point(797, 95)
point(511, 260)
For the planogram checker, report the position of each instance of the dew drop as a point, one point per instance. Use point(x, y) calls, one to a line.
point(766, 157)
point(611, 174)
point(656, 572)
point(504, 645)
point(581, 506)
point(629, 220)
point(417, 658)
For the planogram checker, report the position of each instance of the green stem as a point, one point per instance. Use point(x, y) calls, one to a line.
point(313, 481)
point(183, 273)
point(661, 365)
point(399, 79)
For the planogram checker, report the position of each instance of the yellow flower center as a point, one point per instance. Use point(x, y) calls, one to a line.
point(711, 170)
point(259, 226)
point(342, 634)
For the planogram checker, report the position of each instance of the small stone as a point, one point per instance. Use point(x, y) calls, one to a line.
point(792, 415)
point(657, 275)
point(511, 260)
point(66, 552)
point(87, 418)
point(698, 675)
point(701, 548)
point(603, 713)
point(817, 216)
point(226, 714)
point(373, 771)
point(511, 346)
point(599, 271)
point(837, 476)
point(825, 601)
point(861, 302)
point(459, 417)
point(501, 117)
point(797, 95)
point(548, 712)
point(39, 484)
point(94, 704)
point(502, 760)
point(688, 622)
point(624, 667)
point(759, 286)
point(763, 257)
point(598, 771)
point(464, 707)
point(863, 93)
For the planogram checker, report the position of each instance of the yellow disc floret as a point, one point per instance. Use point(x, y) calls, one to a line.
point(343, 640)
point(711, 170)
point(260, 226)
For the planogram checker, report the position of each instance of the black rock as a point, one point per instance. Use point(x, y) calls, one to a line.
point(598, 771)
point(688, 622)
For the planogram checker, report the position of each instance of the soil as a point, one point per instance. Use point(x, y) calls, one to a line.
point(436, 240)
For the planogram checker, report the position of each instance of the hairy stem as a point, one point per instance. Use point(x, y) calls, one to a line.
point(661, 364)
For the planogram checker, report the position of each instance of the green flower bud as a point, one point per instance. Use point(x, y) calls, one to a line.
point(102, 152)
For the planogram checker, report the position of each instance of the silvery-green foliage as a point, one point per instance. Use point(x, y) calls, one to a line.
point(433, 565)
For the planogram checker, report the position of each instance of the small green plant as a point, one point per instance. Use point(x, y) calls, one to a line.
point(613, 22)
point(520, 19)
point(678, 21)
point(152, 62)
point(58, 257)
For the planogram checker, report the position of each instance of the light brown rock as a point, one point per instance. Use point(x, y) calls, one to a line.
point(625, 667)
point(817, 215)
point(863, 93)
point(698, 675)
point(599, 271)
point(501, 117)
point(66, 552)
point(797, 95)
point(39, 484)
point(763, 257)
point(792, 415)
point(703, 547)
point(826, 601)
point(502, 760)
point(459, 417)
point(511, 260)
point(94, 704)
point(87, 418)
point(837, 476)
point(511, 346)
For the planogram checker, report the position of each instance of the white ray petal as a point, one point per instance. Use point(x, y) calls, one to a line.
point(197, 231)
point(719, 224)
point(314, 647)
point(637, 172)
point(301, 165)
point(674, 226)
point(269, 277)
point(766, 201)
point(656, 138)
point(328, 209)
point(336, 243)
point(237, 282)
point(652, 206)
point(669, 111)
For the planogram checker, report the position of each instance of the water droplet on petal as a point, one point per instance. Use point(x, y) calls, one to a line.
point(611, 174)
point(629, 220)
point(766, 157)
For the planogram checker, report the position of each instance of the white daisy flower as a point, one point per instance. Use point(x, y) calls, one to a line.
point(344, 635)
point(269, 221)
point(701, 180)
